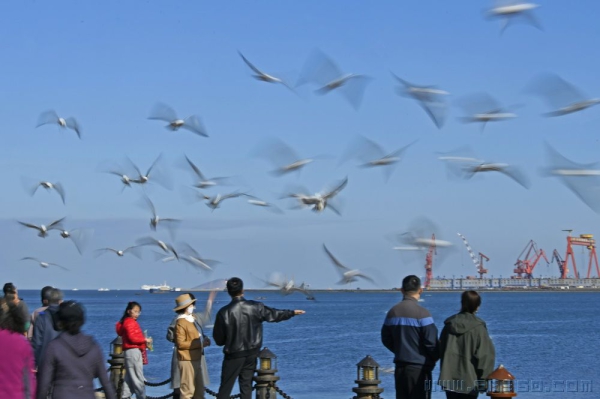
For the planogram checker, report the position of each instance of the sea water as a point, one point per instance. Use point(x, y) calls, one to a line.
point(550, 341)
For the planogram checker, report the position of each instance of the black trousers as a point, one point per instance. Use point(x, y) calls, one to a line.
point(456, 395)
point(412, 382)
point(242, 369)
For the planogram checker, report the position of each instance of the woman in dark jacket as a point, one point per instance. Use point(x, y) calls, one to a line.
point(72, 360)
point(467, 352)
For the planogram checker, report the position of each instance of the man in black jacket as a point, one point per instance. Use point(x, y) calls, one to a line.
point(409, 332)
point(238, 328)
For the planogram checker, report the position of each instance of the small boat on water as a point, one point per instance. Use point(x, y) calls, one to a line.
point(103, 289)
point(75, 289)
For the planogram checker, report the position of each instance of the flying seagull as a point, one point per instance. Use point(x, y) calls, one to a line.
point(323, 72)
point(134, 250)
point(45, 265)
point(467, 166)
point(430, 98)
point(373, 155)
point(77, 236)
point(156, 176)
point(169, 223)
point(51, 117)
point(150, 241)
point(167, 114)
point(283, 157)
point(582, 179)
point(508, 10)
point(43, 229)
point(348, 275)
point(33, 187)
point(214, 202)
point(260, 75)
point(191, 256)
point(482, 108)
point(202, 181)
point(319, 201)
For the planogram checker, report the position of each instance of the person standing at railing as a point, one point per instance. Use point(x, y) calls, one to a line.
point(238, 329)
point(134, 345)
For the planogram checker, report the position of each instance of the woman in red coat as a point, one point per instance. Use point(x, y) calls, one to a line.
point(134, 346)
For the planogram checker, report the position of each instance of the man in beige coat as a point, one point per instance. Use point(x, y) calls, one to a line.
point(190, 342)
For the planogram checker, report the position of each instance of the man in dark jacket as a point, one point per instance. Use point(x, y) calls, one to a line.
point(238, 328)
point(46, 326)
point(409, 332)
point(10, 289)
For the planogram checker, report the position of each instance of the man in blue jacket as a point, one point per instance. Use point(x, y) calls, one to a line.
point(409, 332)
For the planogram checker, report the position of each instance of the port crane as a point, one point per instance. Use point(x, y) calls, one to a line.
point(478, 262)
point(528, 259)
point(586, 240)
point(429, 262)
point(560, 262)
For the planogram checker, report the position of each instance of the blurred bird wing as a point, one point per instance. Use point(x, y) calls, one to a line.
point(153, 164)
point(366, 150)
point(30, 185)
point(194, 125)
point(255, 69)
point(134, 166)
point(557, 92)
point(479, 103)
point(195, 169)
point(80, 239)
point(354, 89)
point(517, 175)
point(163, 112)
point(320, 69)
point(341, 268)
point(47, 117)
point(337, 189)
point(365, 277)
point(56, 225)
point(57, 265)
point(31, 258)
point(401, 150)
point(73, 125)
point(60, 190)
point(278, 152)
point(147, 203)
point(197, 263)
point(436, 110)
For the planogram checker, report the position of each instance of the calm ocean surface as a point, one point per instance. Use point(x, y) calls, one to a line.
point(549, 341)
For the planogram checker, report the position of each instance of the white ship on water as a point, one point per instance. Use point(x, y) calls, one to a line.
point(159, 288)
point(103, 289)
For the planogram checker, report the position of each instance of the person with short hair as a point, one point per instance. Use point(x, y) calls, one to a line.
point(410, 333)
point(467, 351)
point(45, 294)
point(17, 376)
point(46, 327)
point(11, 289)
point(72, 360)
point(238, 329)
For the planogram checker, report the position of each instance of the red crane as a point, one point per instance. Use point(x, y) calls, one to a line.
point(560, 262)
point(586, 240)
point(481, 270)
point(526, 264)
point(429, 262)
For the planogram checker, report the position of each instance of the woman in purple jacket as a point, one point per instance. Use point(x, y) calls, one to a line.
point(17, 376)
point(72, 360)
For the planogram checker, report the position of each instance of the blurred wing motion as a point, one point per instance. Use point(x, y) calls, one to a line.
point(282, 156)
point(510, 11)
point(430, 98)
point(323, 72)
point(562, 96)
point(582, 179)
point(260, 75)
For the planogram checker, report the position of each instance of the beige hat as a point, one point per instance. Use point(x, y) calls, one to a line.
point(183, 301)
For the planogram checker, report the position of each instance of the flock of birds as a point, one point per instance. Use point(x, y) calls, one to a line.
point(321, 71)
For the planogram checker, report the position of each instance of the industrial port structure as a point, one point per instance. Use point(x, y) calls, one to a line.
point(523, 277)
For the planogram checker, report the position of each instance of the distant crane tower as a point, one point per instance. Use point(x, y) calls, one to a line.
point(478, 262)
point(586, 240)
point(429, 262)
point(560, 262)
point(528, 259)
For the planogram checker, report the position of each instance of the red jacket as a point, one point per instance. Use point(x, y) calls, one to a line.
point(131, 333)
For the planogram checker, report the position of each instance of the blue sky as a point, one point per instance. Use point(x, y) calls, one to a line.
point(108, 63)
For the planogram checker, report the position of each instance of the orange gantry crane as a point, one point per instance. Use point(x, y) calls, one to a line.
point(429, 262)
point(528, 259)
point(586, 240)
